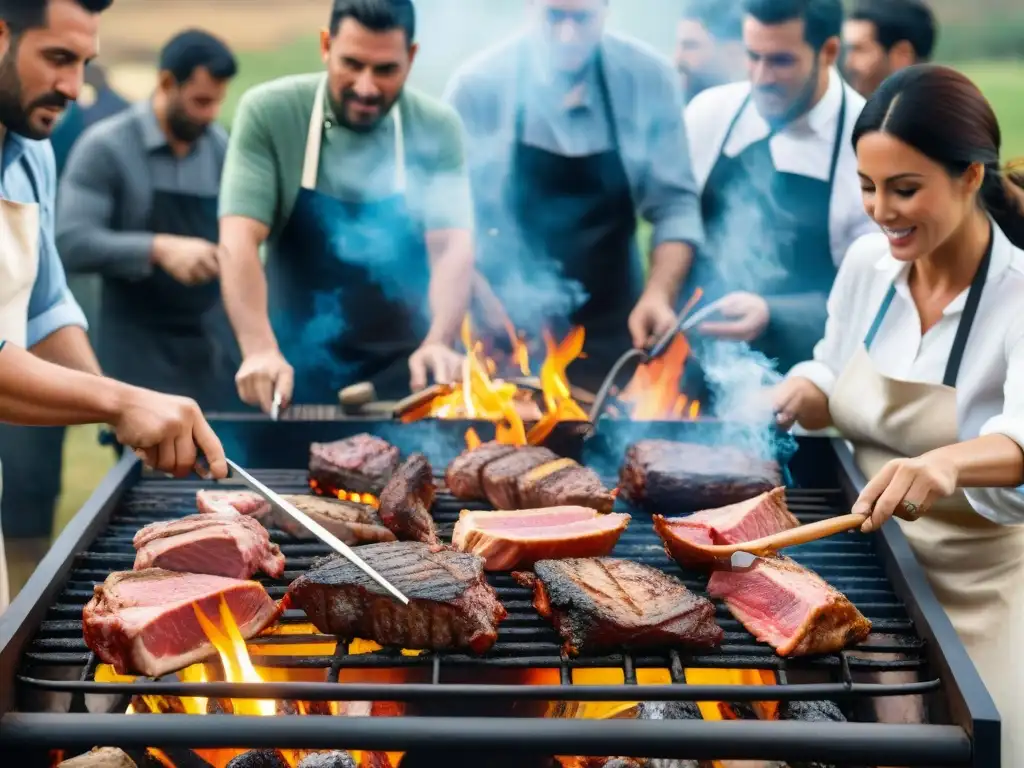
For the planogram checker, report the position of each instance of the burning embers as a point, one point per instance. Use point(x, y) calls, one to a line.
point(654, 391)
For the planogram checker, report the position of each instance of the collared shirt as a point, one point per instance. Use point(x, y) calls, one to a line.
point(646, 105)
point(803, 147)
point(106, 192)
point(990, 384)
point(28, 174)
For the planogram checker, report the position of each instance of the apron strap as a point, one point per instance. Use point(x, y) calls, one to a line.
point(314, 138)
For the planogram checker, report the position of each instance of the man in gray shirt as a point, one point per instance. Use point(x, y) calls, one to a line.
point(138, 206)
point(572, 131)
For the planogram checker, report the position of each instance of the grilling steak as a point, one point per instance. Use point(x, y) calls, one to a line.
point(143, 622)
point(500, 478)
point(464, 474)
point(663, 475)
point(519, 538)
point(744, 521)
point(406, 501)
point(602, 603)
point(220, 544)
point(350, 521)
point(450, 603)
point(243, 502)
point(564, 482)
point(359, 464)
point(789, 607)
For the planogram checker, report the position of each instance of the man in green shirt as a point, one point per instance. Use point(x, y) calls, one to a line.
point(357, 187)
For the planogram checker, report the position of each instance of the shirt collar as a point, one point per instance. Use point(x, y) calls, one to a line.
point(12, 147)
point(153, 136)
point(553, 93)
point(821, 118)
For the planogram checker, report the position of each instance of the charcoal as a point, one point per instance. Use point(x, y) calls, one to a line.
point(328, 760)
point(261, 758)
point(100, 757)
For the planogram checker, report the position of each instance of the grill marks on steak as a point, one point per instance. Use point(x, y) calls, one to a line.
point(406, 501)
point(464, 474)
point(667, 475)
point(143, 622)
point(500, 478)
point(790, 607)
point(351, 522)
point(602, 603)
point(747, 520)
point(360, 464)
point(519, 538)
point(223, 543)
point(451, 605)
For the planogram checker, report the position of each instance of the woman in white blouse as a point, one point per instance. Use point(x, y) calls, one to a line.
point(922, 363)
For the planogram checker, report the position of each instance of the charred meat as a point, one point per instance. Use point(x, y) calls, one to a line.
point(564, 482)
point(519, 538)
point(359, 464)
point(744, 521)
point(602, 603)
point(144, 623)
point(351, 522)
point(451, 605)
point(221, 544)
point(406, 501)
point(500, 478)
point(464, 474)
point(670, 476)
point(790, 607)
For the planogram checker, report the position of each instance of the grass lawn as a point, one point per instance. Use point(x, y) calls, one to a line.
point(86, 462)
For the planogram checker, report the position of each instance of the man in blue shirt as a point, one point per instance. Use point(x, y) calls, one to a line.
point(571, 131)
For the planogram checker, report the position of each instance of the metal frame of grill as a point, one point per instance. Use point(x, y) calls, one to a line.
point(450, 716)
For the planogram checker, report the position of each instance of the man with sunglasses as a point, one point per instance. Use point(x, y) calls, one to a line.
point(571, 131)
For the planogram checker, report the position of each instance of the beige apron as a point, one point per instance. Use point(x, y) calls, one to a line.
point(975, 566)
point(19, 264)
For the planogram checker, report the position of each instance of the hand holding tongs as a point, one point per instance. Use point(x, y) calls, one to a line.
point(315, 528)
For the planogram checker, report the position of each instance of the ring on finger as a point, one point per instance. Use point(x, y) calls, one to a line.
point(912, 509)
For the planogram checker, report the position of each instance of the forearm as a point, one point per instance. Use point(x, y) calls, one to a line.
point(451, 283)
point(68, 347)
point(34, 392)
point(244, 289)
point(88, 249)
point(670, 263)
point(992, 461)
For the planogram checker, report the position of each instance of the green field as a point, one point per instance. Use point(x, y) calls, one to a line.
point(86, 462)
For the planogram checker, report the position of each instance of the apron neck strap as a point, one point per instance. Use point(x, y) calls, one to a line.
point(963, 331)
point(314, 138)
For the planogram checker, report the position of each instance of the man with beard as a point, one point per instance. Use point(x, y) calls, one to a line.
point(780, 193)
point(709, 45)
point(572, 131)
point(138, 206)
point(357, 186)
point(884, 36)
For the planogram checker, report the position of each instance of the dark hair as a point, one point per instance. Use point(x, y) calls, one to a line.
point(22, 15)
point(193, 49)
point(721, 18)
point(823, 19)
point(378, 15)
point(942, 114)
point(898, 20)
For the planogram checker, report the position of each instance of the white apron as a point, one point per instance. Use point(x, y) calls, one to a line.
point(975, 566)
point(19, 263)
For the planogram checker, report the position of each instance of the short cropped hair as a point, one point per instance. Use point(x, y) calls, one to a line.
point(823, 19)
point(194, 49)
point(896, 20)
point(23, 15)
point(378, 15)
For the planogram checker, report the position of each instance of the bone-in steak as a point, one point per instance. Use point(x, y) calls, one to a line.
point(406, 501)
point(564, 482)
point(351, 522)
point(789, 607)
point(664, 475)
point(144, 623)
point(221, 544)
point(519, 538)
point(360, 464)
point(603, 603)
point(463, 476)
point(500, 478)
point(451, 605)
point(747, 520)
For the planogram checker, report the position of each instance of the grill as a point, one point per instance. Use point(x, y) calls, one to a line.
point(457, 701)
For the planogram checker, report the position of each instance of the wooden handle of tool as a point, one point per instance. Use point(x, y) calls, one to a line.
point(357, 394)
point(803, 534)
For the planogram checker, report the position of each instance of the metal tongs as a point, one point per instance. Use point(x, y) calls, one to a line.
point(315, 528)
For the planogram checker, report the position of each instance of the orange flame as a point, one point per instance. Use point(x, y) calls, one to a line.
point(654, 389)
point(359, 498)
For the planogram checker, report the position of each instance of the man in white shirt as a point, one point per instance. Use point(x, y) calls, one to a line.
point(779, 189)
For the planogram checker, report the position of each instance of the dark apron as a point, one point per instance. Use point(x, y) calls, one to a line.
point(574, 219)
point(160, 334)
point(796, 209)
point(348, 285)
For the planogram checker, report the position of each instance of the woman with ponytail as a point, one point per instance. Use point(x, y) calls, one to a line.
point(922, 363)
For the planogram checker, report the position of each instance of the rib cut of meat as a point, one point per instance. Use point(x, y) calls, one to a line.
point(245, 503)
point(519, 538)
point(500, 478)
point(406, 501)
point(360, 464)
point(747, 520)
point(463, 476)
point(665, 475)
point(220, 544)
point(143, 622)
point(564, 482)
point(792, 609)
point(350, 521)
point(601, 603)
point(451, 605)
